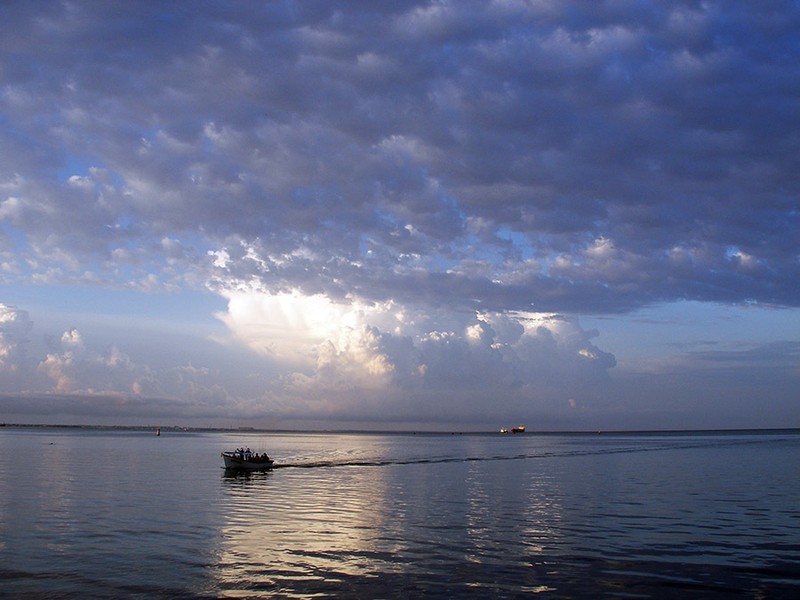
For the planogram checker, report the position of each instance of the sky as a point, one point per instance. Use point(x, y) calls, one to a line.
point(438, 215)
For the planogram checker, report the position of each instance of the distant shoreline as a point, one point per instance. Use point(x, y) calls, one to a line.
point(252, 430)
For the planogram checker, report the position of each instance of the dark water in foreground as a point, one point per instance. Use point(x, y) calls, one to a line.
point(114, 514)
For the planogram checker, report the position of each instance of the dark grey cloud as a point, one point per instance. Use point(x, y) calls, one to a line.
point(574, 157)
point(756, 386)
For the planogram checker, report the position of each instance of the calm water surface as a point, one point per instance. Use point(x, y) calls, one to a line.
point(126, 514)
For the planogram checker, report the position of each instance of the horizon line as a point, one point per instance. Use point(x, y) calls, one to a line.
point(251, 430)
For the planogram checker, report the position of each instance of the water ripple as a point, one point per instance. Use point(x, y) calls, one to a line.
point(372, 516)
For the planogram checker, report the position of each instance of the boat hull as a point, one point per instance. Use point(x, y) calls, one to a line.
point(239, 464)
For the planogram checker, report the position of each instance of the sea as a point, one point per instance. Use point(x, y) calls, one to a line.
point(111, 513)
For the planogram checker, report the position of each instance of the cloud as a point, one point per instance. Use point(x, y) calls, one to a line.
point(331, 360)
point(75, 373)
point(399, 366)
point(15, 326)
point(400, 198)
point(379, 359)
point(756, 385)
point(74, 369)
point(359, 145)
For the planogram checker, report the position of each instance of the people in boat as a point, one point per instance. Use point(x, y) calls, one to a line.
point(247, 454)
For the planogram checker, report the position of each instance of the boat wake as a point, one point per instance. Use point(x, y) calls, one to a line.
point(385, 462)
point(541, 455)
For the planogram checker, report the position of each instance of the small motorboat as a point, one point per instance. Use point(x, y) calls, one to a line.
point(246, 461)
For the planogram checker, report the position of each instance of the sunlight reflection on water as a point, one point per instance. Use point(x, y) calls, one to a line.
point(399, 516)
